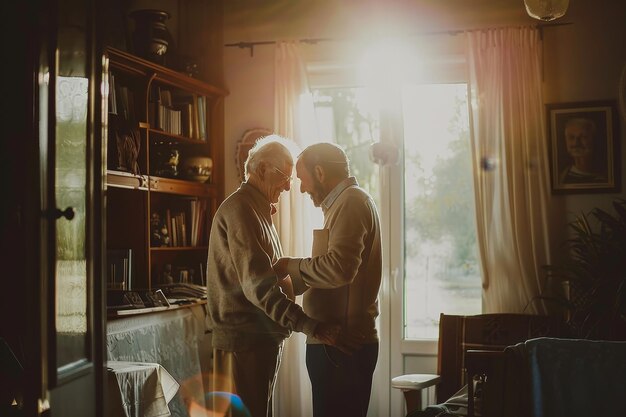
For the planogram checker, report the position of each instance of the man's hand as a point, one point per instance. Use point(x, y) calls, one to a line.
point(280, 268)
point(334, 335)
point(286, 286)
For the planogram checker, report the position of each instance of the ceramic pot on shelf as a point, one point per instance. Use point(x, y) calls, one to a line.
point(197, 168)
point(151, 39)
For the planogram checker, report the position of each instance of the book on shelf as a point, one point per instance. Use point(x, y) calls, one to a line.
point(202, 117)
point(168, 222)
point(126, 101)
point(112, 96)
point(198, 212)
point(181, 229)
point(196, 123)
point(187, 117)
point(174, 232)
point(119, 269)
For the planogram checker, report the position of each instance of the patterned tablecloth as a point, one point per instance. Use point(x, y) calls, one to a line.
point(167, 338)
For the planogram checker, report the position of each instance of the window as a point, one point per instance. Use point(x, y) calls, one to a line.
point(441, 268)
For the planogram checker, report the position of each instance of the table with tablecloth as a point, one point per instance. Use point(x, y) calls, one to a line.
point(167, 338)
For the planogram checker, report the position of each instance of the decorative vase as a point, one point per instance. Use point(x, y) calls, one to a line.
point(151, 38)
point(197, 168)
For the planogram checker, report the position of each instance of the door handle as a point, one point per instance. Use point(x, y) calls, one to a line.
point(68, 213)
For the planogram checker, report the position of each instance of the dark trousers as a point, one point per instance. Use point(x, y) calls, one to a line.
point(341, 383)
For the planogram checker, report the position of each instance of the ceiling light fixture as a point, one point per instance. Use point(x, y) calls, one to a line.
point(546, 10)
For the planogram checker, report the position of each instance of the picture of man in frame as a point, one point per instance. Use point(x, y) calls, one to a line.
point(585, 160)
point(581, 150)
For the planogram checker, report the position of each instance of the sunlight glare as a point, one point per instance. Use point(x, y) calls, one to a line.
point(428, 113)
point(387, 62)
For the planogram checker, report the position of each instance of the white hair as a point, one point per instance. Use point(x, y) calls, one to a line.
point(272, 149)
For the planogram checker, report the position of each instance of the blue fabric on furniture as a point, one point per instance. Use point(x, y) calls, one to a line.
point(566, 378)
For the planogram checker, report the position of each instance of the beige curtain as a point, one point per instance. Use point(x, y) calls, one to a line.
point(294, 118)
point(510, 165)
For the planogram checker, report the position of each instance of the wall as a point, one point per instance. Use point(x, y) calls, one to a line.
point(583, 62)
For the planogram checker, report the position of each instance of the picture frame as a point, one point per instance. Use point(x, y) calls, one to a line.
point(583, 147)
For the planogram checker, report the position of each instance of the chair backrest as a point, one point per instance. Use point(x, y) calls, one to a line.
point(484, 331)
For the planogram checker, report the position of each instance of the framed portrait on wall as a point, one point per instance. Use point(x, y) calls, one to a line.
point(584, 147)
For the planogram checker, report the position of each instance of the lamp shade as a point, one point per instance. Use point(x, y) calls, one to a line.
point(546, 9)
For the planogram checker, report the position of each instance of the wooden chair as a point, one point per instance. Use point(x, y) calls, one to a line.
point(483, 332)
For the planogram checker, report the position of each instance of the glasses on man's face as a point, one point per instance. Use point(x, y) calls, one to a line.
point(286, 178)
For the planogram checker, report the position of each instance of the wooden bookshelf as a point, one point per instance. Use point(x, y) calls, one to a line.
point(155, 210)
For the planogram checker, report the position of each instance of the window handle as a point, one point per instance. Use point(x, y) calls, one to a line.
point(394, 279)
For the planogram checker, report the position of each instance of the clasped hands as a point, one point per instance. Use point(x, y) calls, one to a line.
point(346, 341)
point(335, 335)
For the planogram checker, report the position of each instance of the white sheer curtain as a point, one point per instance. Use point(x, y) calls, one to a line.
point(510, 165)
point(294, 118)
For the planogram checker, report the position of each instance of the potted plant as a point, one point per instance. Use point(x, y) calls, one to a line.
point(594, 275)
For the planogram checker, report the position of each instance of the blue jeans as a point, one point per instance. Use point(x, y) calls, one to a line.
point(341, 383)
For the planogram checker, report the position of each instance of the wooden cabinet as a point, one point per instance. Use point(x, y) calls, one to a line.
point(163, 126)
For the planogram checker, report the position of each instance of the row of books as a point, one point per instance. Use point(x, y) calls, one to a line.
point(121, 100)
point(187, 228)
point(169, 120)
point(185, 115)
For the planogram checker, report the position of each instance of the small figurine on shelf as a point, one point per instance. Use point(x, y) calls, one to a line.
point(159, 235)
point(155, 230)
point(183, 276)
point(167, 277)
point(189, 66)
point(165, 236)
point(165, 161)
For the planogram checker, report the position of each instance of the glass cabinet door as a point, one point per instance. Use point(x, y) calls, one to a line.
point(74, 195)
point(71, 196)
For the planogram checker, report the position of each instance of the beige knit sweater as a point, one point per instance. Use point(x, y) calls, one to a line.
point(245, 306)
point(344, 278)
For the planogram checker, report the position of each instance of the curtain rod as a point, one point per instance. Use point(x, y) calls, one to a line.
point(313, 41)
